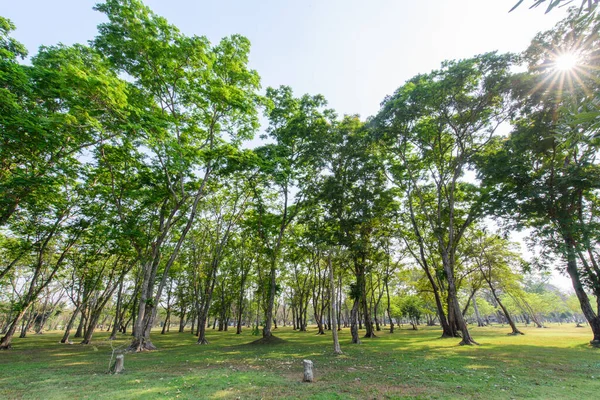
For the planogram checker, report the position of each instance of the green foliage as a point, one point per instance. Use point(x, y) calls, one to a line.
point(122, 165)
point(411, 307)
point(588, 5)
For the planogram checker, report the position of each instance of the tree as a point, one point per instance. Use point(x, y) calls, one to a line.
point(358, 208)
point(199, 102)
point(299, 128)
point(53, 229)
point(411, 307)
point(433, 127)
point(546, 175)
point(493, 258)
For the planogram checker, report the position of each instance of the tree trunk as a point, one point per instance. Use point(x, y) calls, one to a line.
point(354, 322)
point(389, 313)
point(27, 323)
point(452, 295)
point(141, 338)
point(118, 312)
point(6, 340)
point(79, 331)
point(91, 326)
point(65, 338)
point(202, 322)
point(238, 330)
point(271, 300)
point(477, 315)
point(336, 342)
point(515, 331)
point(588, 312)
point(167, 321)
point(42, 315)
point(182, 321)
point(365, 306)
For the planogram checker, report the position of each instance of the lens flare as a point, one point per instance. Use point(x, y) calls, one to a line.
point(566, 62)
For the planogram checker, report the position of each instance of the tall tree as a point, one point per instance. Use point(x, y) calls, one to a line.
point(434, 126)
point(546, 174)
point(358, 205)
point(299, 129)
point(200, 104)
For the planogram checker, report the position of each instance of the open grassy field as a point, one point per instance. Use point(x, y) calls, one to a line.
point(545, 363)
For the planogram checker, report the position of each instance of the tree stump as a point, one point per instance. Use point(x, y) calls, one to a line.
point(308, 371)
point(119, 364)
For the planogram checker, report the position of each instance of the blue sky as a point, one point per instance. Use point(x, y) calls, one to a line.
point(353, 52)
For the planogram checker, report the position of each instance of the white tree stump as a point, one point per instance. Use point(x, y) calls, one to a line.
point(120, 364)
point(308, 371)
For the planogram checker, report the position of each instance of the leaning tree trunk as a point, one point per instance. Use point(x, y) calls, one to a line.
point(27, 323)
point(452, 296)
point(6, 340)
point(115, 328)
point(65, 338)
point(40, 328)
point(238, 329)
point(584, 301)
point(167, 321)
point(515, 330)
point(477, 315)
point(447, 329)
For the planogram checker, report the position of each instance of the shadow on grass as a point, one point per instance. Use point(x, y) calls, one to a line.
point(555, 362)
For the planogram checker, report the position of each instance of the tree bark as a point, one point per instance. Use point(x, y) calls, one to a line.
point(6, 340)
point(336, 341)
point(65, 338)
point(271, 300)
point(588, 312)
point(477, 315)
point(354, 322)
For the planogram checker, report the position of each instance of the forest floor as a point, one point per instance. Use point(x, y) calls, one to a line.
point(556, 362)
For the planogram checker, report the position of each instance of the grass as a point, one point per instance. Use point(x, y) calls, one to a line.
point(545, 363)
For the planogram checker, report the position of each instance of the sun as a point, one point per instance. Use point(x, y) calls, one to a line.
point(564, 71)
point(566, 62)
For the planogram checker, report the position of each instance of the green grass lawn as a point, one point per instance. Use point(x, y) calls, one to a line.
point(545, 363)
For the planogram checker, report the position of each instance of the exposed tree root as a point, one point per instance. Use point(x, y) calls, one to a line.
point(139, 346)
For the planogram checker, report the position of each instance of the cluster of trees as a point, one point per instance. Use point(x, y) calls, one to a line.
point(130, 200)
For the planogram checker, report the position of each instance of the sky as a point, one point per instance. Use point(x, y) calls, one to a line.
point(354, 52)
